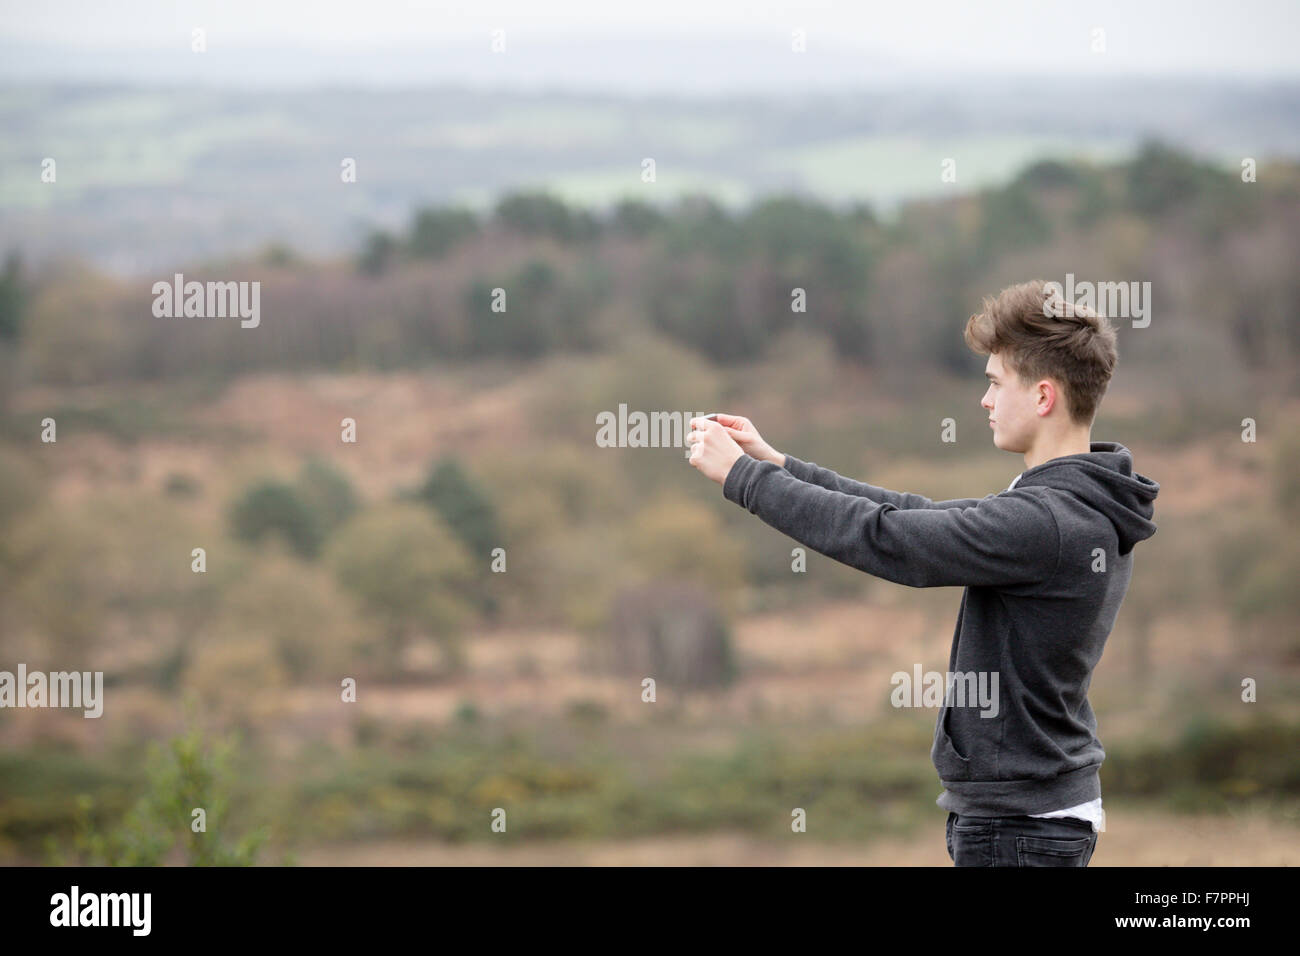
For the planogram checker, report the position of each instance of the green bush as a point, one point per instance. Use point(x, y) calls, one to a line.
point(273, 507)
point(189, 774)
point(1213, 758)
point(327, 491)
point(463, 506)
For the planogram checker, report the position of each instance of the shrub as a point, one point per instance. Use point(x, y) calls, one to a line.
point(407, 570)
point(273, 507)
point(191, 773)
point(327, 491)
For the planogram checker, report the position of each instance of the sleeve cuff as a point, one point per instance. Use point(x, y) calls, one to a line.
point(743, 473)
point(796, 466)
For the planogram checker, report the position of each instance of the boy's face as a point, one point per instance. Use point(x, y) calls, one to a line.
point(1012, 407)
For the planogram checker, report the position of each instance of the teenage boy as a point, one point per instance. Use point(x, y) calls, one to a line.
point(1045, 565)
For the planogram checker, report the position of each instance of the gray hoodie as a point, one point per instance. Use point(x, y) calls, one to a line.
point(1045, 565)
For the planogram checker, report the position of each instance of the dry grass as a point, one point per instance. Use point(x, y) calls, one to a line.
point(1132, 838)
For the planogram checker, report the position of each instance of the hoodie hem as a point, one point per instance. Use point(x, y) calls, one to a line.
point(1000, 798)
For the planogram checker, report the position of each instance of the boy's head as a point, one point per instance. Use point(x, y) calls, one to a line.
point(1050, 361)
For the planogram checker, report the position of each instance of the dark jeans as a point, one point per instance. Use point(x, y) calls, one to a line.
point(1020, 841)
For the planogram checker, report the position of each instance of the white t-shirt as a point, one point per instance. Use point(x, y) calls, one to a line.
point(1090, 811)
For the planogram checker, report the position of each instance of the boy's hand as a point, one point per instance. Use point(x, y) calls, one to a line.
point(713, 449)
point(745, 435)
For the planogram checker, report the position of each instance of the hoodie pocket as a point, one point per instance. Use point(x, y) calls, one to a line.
point(947, 761)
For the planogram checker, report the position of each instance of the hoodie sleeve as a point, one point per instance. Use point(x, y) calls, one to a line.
point(1005, 539)
point(815, 474)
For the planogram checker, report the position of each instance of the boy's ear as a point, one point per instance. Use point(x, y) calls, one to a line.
point(1052, 390)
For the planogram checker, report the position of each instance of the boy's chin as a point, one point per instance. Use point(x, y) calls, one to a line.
point(1005, 444)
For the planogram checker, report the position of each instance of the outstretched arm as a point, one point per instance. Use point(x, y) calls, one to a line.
point(744, 434)
point(1003, 539)
point(817, 475)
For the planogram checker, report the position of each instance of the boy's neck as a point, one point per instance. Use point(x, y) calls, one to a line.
point(1076, 442)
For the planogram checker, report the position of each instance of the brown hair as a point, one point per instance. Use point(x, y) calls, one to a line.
point(1040, 334)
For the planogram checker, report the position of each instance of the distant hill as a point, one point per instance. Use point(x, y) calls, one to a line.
point(149, 177)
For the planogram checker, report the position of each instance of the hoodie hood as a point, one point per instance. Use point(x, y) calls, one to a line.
point(1105, 480)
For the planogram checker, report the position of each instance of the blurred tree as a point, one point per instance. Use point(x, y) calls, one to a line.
point(378, 254)
point(75, 333)
point(83, 568)
point(542, 214)
point(463, 506)
point(13, 299)
point(720, 283)
point(469, 513)
point(1048, 174)
point(1093, 201)
point(697, 227)
point(229, 653)
point(274, 507)
point(294, 612)
point(1010, 219)
point(635, 218)
point(544, 312)
point(435, 232)
point(678, 537)
point(1161, 177)
point(327, 492)
point(696, 305)
point(954, 267)
point(804, 244)
point(410, 572)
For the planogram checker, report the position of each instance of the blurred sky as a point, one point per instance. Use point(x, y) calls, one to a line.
point(669, 46)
